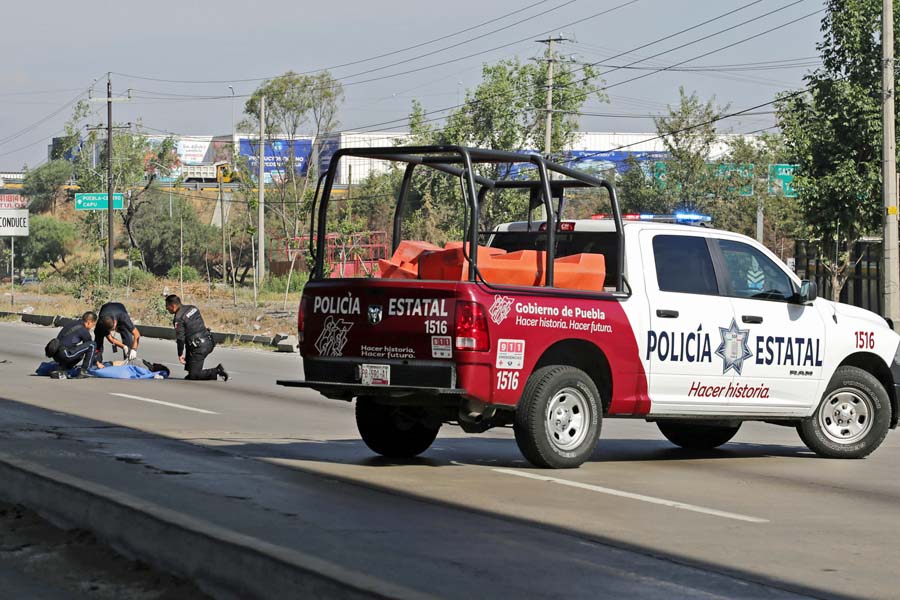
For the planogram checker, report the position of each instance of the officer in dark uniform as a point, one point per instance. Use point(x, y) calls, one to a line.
point(76, 345)
point(194, 340)
point(114, 318)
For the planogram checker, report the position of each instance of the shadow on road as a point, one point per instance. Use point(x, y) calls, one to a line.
point(24, 420)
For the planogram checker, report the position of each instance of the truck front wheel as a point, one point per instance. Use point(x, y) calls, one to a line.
point(697, 436)
point(393, 431)
point(558, 418)
point(851, 420)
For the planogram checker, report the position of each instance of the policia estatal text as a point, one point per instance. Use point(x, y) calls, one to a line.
point(193, 339)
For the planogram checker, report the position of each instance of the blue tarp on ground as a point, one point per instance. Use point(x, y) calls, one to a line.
point(122, 372)
point(126, 372)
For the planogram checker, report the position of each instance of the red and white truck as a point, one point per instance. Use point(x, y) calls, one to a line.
point(552, 324)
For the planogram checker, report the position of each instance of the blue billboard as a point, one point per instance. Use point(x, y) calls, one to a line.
point(277, 157)
point(593, 161)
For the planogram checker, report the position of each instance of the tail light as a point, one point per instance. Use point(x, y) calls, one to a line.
point(471, 327)
point(303, 304)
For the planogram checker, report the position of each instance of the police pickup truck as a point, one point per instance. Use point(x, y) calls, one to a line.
point(552, 324)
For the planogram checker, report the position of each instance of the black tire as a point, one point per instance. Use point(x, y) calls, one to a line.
point(542, 440)
point(393, 431)
point(852, 419)
point(697, 436)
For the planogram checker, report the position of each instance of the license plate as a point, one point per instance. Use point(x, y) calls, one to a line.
point(375, 374)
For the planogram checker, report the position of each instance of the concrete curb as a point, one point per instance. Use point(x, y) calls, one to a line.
point(223, 563)
point(164, 333)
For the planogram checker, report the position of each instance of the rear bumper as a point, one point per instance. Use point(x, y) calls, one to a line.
point(348, 391)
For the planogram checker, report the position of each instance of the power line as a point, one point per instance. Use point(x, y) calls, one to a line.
point(726, 47)
point(446, 62)
point(702, 124)
point(346, 64)
point(640, 47)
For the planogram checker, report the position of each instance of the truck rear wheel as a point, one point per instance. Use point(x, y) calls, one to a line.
point(697, 436)
point(558, 418)
point(851, 420)
point(393, 431)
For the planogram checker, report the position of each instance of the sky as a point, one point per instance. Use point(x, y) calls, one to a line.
point(178, 58)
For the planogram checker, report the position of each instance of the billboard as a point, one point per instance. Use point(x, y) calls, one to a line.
point(276, 157)
point(193, 150)
point(593, 161)
point(8, 201)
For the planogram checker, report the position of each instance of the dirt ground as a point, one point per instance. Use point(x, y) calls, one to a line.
point(76, 563)
point(221, 311)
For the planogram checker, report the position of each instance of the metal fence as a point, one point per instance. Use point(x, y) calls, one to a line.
point(864, 286)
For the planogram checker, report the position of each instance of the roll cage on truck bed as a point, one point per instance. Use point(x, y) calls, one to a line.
point(538, 328)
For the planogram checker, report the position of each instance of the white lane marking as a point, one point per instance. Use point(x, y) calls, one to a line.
point(170, 404)
point(631, 496)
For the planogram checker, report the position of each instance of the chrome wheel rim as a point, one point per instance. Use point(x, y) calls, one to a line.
point(568, 418)
point(846, 415)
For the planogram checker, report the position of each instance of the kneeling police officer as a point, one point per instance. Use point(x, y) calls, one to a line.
point(194, 340)
point(76, 345)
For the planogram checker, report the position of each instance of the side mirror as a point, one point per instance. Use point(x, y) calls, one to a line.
point(809, 291)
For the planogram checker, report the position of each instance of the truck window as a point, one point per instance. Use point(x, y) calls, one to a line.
point(683, 264)
point(751, 274)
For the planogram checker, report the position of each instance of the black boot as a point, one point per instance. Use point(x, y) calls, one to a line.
point(221, 372)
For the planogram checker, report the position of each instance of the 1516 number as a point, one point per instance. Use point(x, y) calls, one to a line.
point(436, 327)
point(507, 380)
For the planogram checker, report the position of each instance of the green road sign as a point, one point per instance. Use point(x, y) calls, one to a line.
point(737, 172)
point(98, 201)
point(781, 181)
point(660, 174)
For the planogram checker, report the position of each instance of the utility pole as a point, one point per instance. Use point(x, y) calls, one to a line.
point(110, 225)
point(261, 184)
point(222, 218)
point(548, 124)
point(889, 171)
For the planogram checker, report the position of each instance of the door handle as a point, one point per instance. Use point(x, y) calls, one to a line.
point(751, 319)
point(666, 314)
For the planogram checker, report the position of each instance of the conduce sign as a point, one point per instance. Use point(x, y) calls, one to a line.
point(13, 222)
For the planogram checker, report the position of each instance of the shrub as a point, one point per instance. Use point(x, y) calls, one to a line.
point(134, 278)
point(57, 284)
point(190, 274)
point(277, 283)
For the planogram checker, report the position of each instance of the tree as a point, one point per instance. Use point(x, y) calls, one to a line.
point(637, 191)
point(832, 130)
point(50, 241)
point(136, 165)
point(689, 135)
point(44, 185)
point(506, 111)
point(158, 236)
point(293, 102)
point(782, 222)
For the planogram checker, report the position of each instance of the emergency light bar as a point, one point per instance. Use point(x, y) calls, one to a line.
point(685, 218)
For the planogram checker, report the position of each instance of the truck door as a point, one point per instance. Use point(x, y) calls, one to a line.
point(684, 347)
point(786, 339)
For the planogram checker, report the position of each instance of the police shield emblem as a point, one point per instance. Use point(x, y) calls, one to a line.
point(374, 314)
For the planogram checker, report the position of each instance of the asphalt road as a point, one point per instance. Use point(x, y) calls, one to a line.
point(761, 517)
